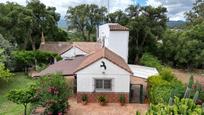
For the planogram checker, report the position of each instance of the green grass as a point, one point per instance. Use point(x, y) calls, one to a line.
point(7, 107)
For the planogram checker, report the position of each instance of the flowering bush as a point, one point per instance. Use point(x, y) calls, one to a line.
point(53, 92)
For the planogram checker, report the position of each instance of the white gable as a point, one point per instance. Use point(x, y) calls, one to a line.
point(110, 68)
point(119, 76)
point(74, 51)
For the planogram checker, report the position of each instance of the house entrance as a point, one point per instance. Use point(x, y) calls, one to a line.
point(136, 93)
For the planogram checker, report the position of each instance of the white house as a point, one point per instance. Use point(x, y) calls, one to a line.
point(99, 68)
point(103, 73)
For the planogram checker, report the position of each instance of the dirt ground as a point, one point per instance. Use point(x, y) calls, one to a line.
point(185, 75)
point(109, 109)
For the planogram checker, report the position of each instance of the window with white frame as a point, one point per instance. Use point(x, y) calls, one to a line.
point(103, 84)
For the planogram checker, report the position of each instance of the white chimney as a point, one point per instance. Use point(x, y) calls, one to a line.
point(116, 38)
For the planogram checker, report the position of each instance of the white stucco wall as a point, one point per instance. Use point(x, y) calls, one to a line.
point(120, 77)
point(73, 52)
point(118, 43)
point(103, 33)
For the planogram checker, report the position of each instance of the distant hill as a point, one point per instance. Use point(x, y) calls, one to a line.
point(62, 24)
point(175, 24)
point(171, 24)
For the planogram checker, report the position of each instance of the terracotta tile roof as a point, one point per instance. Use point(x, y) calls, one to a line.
point(65, 67)
point(61, 47)
point(117, 27)
point(107, 54)
point(56, 47)
point(88, 47)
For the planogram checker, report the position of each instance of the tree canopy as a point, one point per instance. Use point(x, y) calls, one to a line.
point(23, 25)
point(84, 18)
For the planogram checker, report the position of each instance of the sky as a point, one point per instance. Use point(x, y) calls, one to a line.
point(176, 8)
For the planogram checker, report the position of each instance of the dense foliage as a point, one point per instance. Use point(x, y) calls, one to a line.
point(84, 18)
point(183, 48)
point(162, 87)
point(151, 61)
point(32, 58)
point(4, 72)
point(23, 25)
point(53, 93)
point(196, 15)
point(179, 107)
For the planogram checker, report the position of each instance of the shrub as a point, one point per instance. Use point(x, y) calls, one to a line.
point(122, 99)
point(84, 98)
point(53, 92)
point(102, 100)
point(23, 96)
point(151, 61)
point(179, 107)
point(167, 74)
point(30, 58)
point(161, 88)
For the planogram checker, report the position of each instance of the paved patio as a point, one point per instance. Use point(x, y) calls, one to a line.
point(109, 109)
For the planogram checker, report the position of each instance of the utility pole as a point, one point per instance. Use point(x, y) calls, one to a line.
point(108, 6)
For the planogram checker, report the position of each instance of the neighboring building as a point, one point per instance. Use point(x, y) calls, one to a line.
point(80, 48)
point(68, 50)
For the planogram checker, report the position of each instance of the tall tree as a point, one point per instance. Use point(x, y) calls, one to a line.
point(196, 15)
point(43, 19)
point(23, 25)
point(146, 25)
point(84, 18)
point(117, 17)
point(184, 48)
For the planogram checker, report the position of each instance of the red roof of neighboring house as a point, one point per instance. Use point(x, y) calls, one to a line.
point(87, 47)
point(55, 47)
point(62, 47)
point(117, 27)
point(107, 54)
point(65, 67)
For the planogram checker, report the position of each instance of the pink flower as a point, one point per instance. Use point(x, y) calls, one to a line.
point(59, 113)
point(49, 113)
point(49, 90)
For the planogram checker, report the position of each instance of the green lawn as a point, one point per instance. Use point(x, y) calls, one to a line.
point(7, 107)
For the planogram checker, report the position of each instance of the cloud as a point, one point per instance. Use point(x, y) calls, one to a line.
point(176, 8)
point(62, 5)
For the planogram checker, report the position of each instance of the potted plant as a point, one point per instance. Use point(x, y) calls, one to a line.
point(84, 99)
point(122, 99)
point(102, 100)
